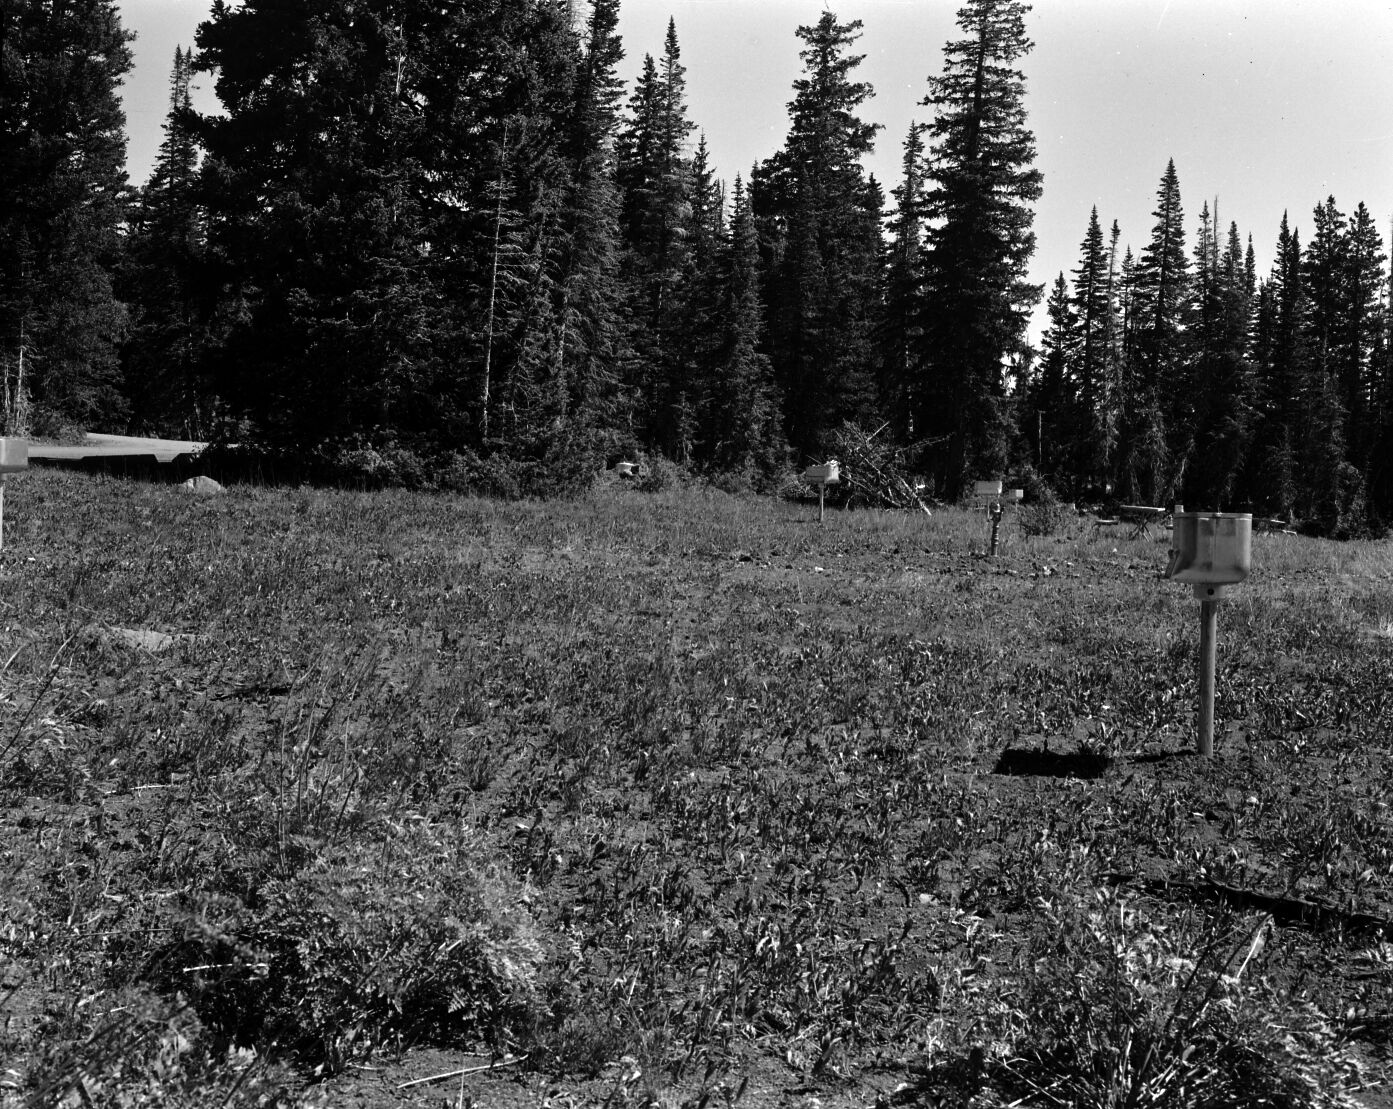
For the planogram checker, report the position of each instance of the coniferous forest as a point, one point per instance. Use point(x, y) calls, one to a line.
point(445, 245)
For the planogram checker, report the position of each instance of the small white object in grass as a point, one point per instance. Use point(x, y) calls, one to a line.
point(201, 483)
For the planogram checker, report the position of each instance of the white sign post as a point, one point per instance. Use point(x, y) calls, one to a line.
point(1212, 551)
point(829, 473)
point(14, 455)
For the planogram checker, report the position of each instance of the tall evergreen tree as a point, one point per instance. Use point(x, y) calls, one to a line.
point(655, 173)
point(62, 194)
point(591, 347)
point(1222, 378)
point(354, 187)
point(1325, 273)
point(1380, 482)
point(900, 325)
point(165, 282)
point(980, 240)
point(742, 426)
point(701, 295)
point(1093, 308)
point(1054, 399)
point(1158, 401)
point(819, 218)
point(1281, 365)
point(1365, 279)
point(1110, 386)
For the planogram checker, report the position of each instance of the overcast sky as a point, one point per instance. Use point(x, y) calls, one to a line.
point(1265, 105)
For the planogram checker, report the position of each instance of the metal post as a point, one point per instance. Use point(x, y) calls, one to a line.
point(1209, 629)
point(821, 493)
point(994, 513)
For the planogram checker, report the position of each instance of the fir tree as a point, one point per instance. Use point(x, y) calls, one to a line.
point(1110, 385)
point(655, 173)
point(980, 239)
point(1054, 399)
point(903, 303)
point(164, 279)
point(1324, 271)
point(819, 219)
point(1223, 379)
point(701, 294)
point(62, 193)
point(1363, 322)
point(1158, 401)
point(359, 180)
point(1380, 482)
point(742, 428)
point(1089, 446)
point(591, 348)
point(1280, 364)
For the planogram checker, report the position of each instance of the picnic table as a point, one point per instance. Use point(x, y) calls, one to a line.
point(1139, 519)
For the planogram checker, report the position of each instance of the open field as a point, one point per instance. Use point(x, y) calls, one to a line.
point(684, 798)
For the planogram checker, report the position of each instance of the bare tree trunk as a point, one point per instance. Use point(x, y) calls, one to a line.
point(493, 300)
point(14, 417)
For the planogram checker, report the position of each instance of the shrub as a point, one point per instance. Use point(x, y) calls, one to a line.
point(563, 466)
point(1045, 518)
point(467, 473)
point(789, 486)
point(411, 939)
point(1119, 1010)
point(1036, 487)
point(139, 1050)
point(658, 474)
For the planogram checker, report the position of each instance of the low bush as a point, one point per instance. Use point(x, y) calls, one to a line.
point(1046, 517)
point(412, 939)
point(659, 474)
point(138, 1050)
point(1118, 1010)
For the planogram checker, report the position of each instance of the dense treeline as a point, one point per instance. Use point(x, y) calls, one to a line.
point(1181, 375)
point(427, 243)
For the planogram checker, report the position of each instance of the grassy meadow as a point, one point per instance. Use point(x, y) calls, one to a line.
point(677, 799)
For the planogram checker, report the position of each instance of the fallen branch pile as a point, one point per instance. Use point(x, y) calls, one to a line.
point(875, 473)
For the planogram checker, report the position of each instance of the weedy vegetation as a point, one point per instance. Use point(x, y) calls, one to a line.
point(670, 797)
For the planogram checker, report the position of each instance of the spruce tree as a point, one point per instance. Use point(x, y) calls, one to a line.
point(655, 174)
point(1325, 271)
point(1222, 377)
point(1054, 401)
point(62, 199)
point(1089, 446)
point(742, 431)
point(900, 326)
point(980, 240)
point(165, 281)
point(1365, 280)
point(1380, 482)
point(1158, 401)
point(1281, 365)
point(819, 218)
point(702, 290)
point(359, 180)
point(1110, 385)
point(591, 347)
